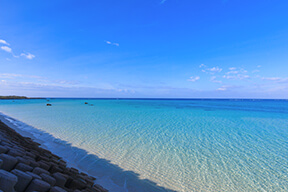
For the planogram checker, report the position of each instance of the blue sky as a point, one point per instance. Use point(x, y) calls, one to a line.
point(151, 48)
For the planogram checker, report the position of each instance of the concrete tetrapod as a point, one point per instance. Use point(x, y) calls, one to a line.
point(23, 167)
point(38, 171)
point(3, 149)
point(33, 175)
point(7, 181)
point(57, 189)
point(23, 180)
point(60, 179)
point(23, 160)
point(38, 185)
point(9, 162)
point(48, 179)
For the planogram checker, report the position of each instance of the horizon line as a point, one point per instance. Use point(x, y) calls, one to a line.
point(153, 98)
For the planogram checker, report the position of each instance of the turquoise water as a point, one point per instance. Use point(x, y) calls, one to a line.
point(182, 145)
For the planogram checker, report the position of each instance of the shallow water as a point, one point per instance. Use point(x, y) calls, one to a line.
point(183, 145)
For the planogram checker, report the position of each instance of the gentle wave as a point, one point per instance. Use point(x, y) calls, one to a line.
point(183, 145)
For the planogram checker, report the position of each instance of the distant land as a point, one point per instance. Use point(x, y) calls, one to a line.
point(18, 97)
point(13, 97)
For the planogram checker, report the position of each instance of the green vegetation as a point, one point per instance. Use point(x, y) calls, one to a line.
point(13, 97)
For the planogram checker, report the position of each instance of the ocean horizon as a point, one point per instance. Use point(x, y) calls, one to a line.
point(153, 144)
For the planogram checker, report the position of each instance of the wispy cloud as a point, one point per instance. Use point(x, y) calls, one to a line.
point(14, 75)
point(202, 65)
point(257, 70)
point(6, 48)
point(211, 71)
point(227, 88)
point(276, 79)
point(222, 88)
point(9, 50)
point(39, 79)
point(271, 78)
point(111, 43)
point(163, 1)
point(67, 82)
point(214, 69)
point(27, 55)
point(63, 89)
point(23, 79)
point(214, 80)
point(3, 42)
point(193, 79)
point(9, 75)
point(236, 74)
point(234, 70)
point(236, 77)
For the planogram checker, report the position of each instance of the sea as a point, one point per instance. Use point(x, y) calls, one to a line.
point(186, 145)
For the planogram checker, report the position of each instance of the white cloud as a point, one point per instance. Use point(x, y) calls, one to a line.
point(257, 70)
point(9, 50)
point(28, 55)
point(67, 82)
point(163, 1)
point(236, 77)
point(6, 48)
point(232, 72)
point(126, 91)
point(111, 43)
point(214, 80)
point(14, 75)
point(193, 79)
point(272, 78)
point(227, 88)
point(202, 65)
point(3, 42)
point(212, 70)
point(276, 79)
point(223, 88)
point(9, 75)
point(236, 74)
point(215, 69)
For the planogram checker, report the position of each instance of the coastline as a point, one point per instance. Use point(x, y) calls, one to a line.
point(109, 176)
point(24, 159)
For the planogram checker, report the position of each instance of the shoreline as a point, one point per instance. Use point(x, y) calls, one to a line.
point(22, 158)
point(109, 176)
point(24, 131)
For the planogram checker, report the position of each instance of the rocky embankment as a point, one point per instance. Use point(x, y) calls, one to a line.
point(26, 167)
